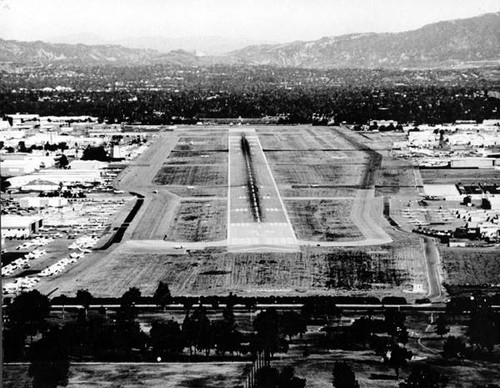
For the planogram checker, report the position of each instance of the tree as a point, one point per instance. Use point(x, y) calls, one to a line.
point(454, 347)
point(483, 330)
point(269, 337)
point(131, 296)
point(441, 326)
point(63, 161)
point(4, 183)
point(393, 320)
point(13, 343)
point(49, 361)
point(166, 337)
point(95, 153)
point(398, 357)
point(422, 376)
point(287, 379)
point(343, 376)
point(162, 295)
point(292, 324)
point(28, 312)
point(226, 337)
point(84, 297)
point(21, 147)
point(63, 300)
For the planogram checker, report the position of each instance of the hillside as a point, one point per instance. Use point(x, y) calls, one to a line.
point(42, 52)
point(465, 42)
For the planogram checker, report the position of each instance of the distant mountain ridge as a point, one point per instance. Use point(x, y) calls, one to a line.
point(443, 44)
point(42, 52)
point(202, 45)
point(457, 43)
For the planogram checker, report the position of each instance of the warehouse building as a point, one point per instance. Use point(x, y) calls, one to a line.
point(39, 202)
point(472, 163)
point(19, 226)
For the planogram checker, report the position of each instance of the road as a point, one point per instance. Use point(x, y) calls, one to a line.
point(158, 210)
point(433, 263)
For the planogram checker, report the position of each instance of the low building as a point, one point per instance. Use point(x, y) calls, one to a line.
point(39, 202)
point(17, 167)
point(472, 163)
point(52, 178)
point(19, 226)
point(87, 165)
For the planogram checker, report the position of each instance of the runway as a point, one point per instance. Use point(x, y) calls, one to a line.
point(272, 229)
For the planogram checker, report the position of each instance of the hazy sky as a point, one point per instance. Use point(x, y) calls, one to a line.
point(264, 20)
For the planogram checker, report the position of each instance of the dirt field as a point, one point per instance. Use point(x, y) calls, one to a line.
point(187, 157)
point(378, 272)
point(130, 375)
point(204, 142)
point(316, 157)
point(323, 220)
point(193, 175)
point(199, 221)
point(471, 266)
point(294, 174)
point(316, 192)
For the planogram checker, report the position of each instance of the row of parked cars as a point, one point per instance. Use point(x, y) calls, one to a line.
point(22, 263)
point(23, 284)
point(57, 268)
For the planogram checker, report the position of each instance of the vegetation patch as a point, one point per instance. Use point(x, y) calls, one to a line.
point(360, 270)
point(195, 175)
point(322, 220)
point(471, 266)
point(199, 221)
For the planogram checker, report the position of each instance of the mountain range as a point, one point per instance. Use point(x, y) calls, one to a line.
point(456, 43)
point(201, 45)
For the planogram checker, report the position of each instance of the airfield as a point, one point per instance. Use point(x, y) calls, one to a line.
point(298, 210)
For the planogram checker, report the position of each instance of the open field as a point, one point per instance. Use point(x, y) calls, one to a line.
point(456, 175)
point(198, 191)
point(199, 221)
point(130, 375)
point(316, 157)
point(471, 266)
point(193, 175)
point(214, 142)
point(322, 220)
point(293, 174)
point(388, 270)
point(306, 191)
point(188, 157)
point(304, 138)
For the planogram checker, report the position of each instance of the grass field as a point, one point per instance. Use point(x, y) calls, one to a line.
point(471, 266)
point(314, 271)
point(395, 176)
point(316, 192)
point(193, 175)
point(293, 174)
point(214, 142)
point(199, 191)
point(316, 157)
point(178, 375)
point(197, 157)
point(322, 220)
point(199, 221)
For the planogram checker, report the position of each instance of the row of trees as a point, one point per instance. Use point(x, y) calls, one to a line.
point(429, 104)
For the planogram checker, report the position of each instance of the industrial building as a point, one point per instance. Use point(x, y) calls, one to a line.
point(39, 202)
point(19, 226)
